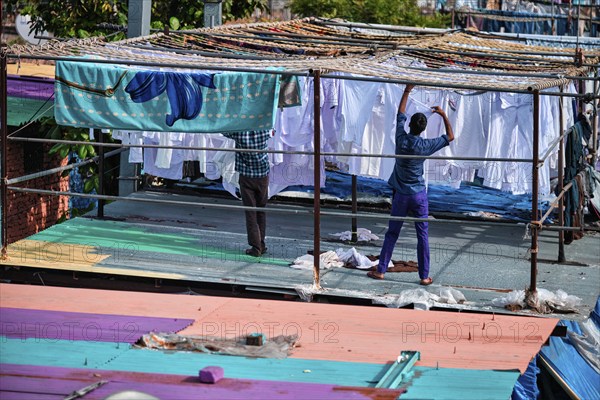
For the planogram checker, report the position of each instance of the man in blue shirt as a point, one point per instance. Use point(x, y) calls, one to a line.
point(410, 195)
point(253, 168)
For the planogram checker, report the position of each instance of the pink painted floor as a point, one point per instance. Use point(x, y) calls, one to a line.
point(327, 332)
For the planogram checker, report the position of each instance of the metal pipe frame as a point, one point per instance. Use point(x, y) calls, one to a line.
point(3, 147)
point(354, 227)
point(552, 3)
point(561, 172)
point(534, 193)
point(68, 167)
point(558, 198)
point(316, 211)
point(262, 58)
point(595, 106)
point(445, 85)
point(100, 210)
point(552, 145)
point(286, 210)
point(309, 153)
point(317, 179)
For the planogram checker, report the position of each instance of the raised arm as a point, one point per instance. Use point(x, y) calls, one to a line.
point(441, 113)
point(402, 107)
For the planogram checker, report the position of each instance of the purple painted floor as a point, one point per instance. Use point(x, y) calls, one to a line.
point(29, 382)
point(59, 325)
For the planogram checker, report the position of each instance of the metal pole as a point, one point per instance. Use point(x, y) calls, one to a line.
point(354, 210)
point(534, 193)
point(553, 28)
point(158, 146)
point(561, 171)
point(4, 149)
point(100, 173)
point(56, 170)
point(335, 214)
point(595, 105)
point(317, 181)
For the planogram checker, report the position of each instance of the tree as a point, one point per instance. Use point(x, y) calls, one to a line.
point(392, 12)
point(83, 18)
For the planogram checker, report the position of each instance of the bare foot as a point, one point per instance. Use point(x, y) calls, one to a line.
point(375, 275)
point(426, 281)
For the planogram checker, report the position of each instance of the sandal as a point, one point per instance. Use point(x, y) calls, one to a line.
point(375, 275)
point(426, 281)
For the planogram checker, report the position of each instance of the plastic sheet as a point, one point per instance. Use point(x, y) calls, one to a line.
point(421, 298)
point(276, 347)
point(306, 292)
point(545, 302)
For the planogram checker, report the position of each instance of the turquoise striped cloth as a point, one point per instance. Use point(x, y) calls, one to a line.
point(118, 97)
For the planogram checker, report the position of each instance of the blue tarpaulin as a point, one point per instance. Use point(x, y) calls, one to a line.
point(469, 198)
point(526, 387)
point(570, 363)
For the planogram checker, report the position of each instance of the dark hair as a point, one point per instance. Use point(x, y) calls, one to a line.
point(418, 123)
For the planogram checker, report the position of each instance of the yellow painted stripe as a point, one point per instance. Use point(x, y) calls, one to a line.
point(69, 257)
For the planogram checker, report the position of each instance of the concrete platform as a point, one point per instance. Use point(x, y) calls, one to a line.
point(206, 245)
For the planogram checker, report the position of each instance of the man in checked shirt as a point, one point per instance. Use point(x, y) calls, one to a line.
point(253, 168)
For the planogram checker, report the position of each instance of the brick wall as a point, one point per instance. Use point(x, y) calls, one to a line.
point(29, 213)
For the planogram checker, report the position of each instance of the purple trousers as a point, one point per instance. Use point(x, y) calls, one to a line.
point(402, 204)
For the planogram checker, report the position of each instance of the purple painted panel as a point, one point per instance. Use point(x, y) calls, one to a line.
point(30, 87)
point(38, 385)
point(183, 387)
point(59, 325)
point(4, 395)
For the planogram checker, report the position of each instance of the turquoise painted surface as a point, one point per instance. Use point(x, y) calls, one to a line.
point(459, 384)
point(59, 353)
point(423, 383)
point(123, 237)
point(62, 353)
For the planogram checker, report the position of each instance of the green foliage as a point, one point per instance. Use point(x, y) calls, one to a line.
point(81, 18)
point(72, 18)
point(392, 12)
point(321, 8)
point(88, 172)
point(240, 9)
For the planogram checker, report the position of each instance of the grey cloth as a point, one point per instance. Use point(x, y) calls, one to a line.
point(255, 193)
